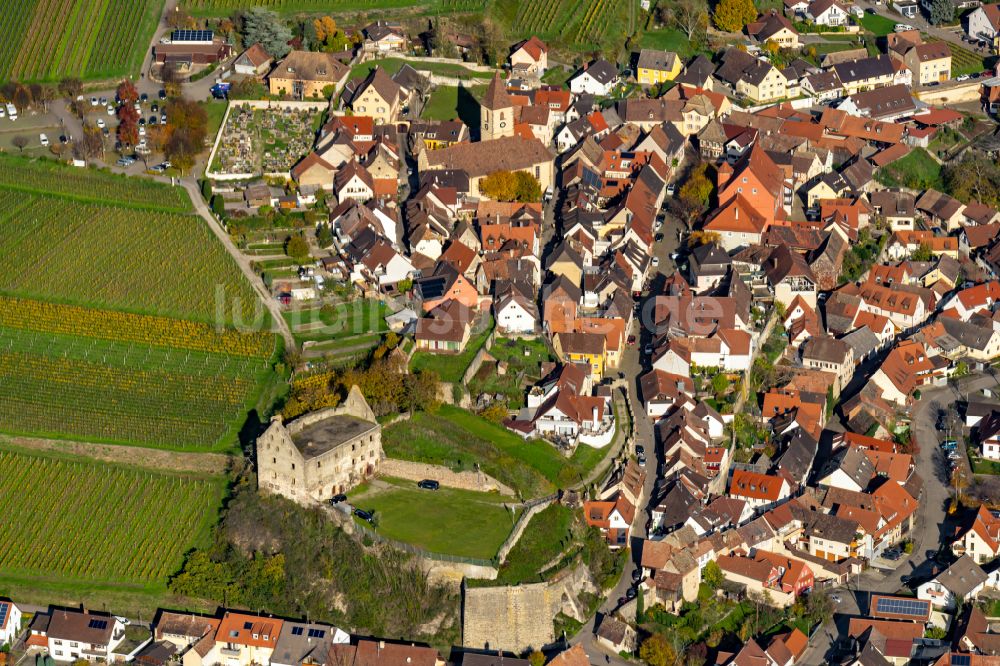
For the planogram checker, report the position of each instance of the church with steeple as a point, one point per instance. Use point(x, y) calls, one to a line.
point(496, 111)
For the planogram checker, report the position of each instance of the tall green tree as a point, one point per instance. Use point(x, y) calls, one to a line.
point(941, 11)
point(265, 27)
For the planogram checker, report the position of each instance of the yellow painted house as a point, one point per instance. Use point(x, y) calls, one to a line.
point(589, 348)
point(655, 67)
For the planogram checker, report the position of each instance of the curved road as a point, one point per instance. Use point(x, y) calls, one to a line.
point(932, 526)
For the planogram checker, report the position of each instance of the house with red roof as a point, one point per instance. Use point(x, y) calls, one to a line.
point(760, 491)
point(10, 622)
point(906, 368)
point(613, 517)
point(529, 56)
point(980, 540)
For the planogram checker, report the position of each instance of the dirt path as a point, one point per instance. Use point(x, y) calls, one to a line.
point(174, 461)
point(241, 260)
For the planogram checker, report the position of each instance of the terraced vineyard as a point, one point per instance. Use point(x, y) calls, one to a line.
point(108, 315)
point(61, 386)
point(225, 7)
point(46, 40)
point(91, 522)
point(47, 177)
point(114, 257)
point(574, 24)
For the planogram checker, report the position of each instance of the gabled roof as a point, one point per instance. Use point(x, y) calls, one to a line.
point(755, 486)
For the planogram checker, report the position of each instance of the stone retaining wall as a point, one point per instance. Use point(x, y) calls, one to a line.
point(466, 480)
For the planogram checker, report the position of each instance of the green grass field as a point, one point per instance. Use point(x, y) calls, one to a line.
point(47, 40)
point(916, 170)
point(335, 322)
point(83, 524)
point(668, 39)
point(459, 439)
point(447, 520)
point(548, 534)
point(445, 103)
point(877, 24)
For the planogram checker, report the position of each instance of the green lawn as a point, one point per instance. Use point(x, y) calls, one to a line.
point(823, 48)
point(451, 367)
point(447, 520)
point(445, 103)
point(547, 535)
point(459, 439)
point(393, 65)
point(338, 321)
point(916, 170)
point(216, 110)
point(668, 39)
point(557, 76)
point(877, 24)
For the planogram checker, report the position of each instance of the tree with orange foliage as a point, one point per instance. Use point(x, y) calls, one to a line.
point(127, 94)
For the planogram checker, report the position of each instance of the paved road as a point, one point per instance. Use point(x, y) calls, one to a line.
point(932, 525)
point(632, 368)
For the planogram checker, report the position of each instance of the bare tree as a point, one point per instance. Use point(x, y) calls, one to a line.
point(71, 88)
point(20, 142)
point(90, 145)
point(688, 16)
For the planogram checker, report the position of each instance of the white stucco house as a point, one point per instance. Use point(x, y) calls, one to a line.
point(596, 78)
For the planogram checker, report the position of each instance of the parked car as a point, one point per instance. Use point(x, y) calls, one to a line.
point(671, 188)
point(641, 459)
point(43, 139)
point(631, 341)
point(640, 449)
point(93, 101)
point(153, 120)
point(111, 110)
point(101, 123)
point(949, 445)
point(125, 161)
point(103, 101)
point(656, 261)
point(367, 516)
point(428, 484)
point(338, 498)
point(963, 77)
point(902, 27)
point(143, 98)
point(647, 350)
point(631, 593)
point(162, 94)
point(636, 574)
point(155, 108)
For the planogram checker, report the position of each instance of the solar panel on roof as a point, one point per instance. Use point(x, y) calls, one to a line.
point(961, 660)
point(98, 624)
point(913, 607)
point(191, 36)
point(296, 631)
point(248, 625)
point(3, 612)
point(316, 633)
point(432, 288)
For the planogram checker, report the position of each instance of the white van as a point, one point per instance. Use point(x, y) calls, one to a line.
point(11, 111)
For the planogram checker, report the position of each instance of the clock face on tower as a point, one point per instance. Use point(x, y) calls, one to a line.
point(502, 125)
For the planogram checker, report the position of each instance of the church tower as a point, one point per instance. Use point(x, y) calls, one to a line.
point(496, 111)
